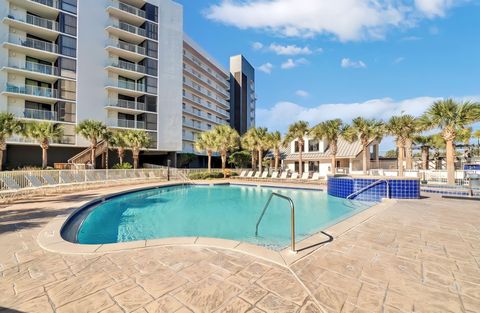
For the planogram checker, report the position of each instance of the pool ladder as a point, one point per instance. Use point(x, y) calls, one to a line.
point(292, 219)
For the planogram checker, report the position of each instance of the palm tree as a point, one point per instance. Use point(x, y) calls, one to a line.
point(402, 127)
point(297, 131)
point(412, 128)
point(226, 139)
point(275, 142)
point(476, 134)
point(450, 116)
point(117, 140)
point(43, 133)
point(206, 142)
point(248, 142)
point(425, 143)
point(136, 140)
point(94, 131)
point(365, 130)
point(9, 125)
point(260, 136)
point(330, 130)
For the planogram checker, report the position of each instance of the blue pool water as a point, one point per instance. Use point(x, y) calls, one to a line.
point(228, 212)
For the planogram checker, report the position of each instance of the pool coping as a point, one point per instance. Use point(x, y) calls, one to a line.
point(50, 239)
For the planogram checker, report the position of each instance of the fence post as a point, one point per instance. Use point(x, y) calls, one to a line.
point(168, 170)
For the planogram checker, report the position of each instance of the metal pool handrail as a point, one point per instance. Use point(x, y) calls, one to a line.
point(292, 219)
point(356, 193)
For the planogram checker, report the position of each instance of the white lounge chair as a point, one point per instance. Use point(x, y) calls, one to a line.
point(265, 174)
point(10, 183)
point(151, 175)
point(284, 175)
point(294, 175)
point(34, 181)
point(275, 175)
point(49, 179)
point(258, 174)
point(243, 174)
point(315, 176)
point(66, 178)
point(250, 174)
point(79, 178)
point(305, 175)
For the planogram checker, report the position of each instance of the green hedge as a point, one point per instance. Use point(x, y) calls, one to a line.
point(207, 175)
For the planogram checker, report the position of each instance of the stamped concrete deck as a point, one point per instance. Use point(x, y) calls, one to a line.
point(412, 256)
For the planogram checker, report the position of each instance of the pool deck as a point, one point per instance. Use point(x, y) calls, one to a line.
point(402, 256)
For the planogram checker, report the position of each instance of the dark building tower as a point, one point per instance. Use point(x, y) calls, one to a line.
point(242, 94)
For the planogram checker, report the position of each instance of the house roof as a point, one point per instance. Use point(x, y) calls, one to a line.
point(344, 150)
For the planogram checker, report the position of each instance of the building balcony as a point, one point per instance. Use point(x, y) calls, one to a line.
point(133, 14)
point(33, 70)
point(33, 93)
point(127, 106)
point(65, 140)
point(204, 115)
point(46, 8)
point(127, 69)
point(188, 96)
point(34, 25)
point(189, 137)
point(222, 80)
point(205, 92)
point(128, 32)
point(33, 47)
point(122, 123)
point(202, 79)
point(127, 51)
point(127, 88)
point(195, 125)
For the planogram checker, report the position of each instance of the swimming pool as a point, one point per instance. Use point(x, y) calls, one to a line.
point(221, 211)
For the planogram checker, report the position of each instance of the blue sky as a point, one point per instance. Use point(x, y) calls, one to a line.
point(320, 59)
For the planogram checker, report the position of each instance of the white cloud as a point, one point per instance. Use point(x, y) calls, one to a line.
point(347, 63)
point(266, 68)
point(257, 45)
point(398, 60)
point(291, 63)
point(302, 93)
point(346, 20)
point(289, 49)
point(282, 114)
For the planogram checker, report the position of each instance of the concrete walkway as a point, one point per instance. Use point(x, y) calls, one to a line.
point(420, 256)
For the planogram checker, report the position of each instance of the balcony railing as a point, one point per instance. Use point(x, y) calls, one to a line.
point(204, 115)
point(42, 22)
point(33, 90)
point(204, 91)
point(40, 114)
point(196, 125)
point(204, 79)
point(50, 3)
point(33, 67)
point(129, 47)
point(190, 97)
point(128, 66)
point(126, 123)
point(127, 104)
point(190, 137)
point(130, 28)
point(65, 140)
point(130, 9)
point(33, 43)
point(127, 85)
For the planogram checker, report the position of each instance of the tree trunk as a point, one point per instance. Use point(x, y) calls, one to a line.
point(400, 159)
point(2, 151)
point(425, 157)
point(334, 157)
point(365, 159)
point(209, 156)
point(450, 162)
point(44, 157)
point(277, 159)
point(408, 152)
point(121, 155)
point(300, 158)
point(135, 153)
point(223, 156)
point(260, 158)
point(92, 156)
point(254, 160)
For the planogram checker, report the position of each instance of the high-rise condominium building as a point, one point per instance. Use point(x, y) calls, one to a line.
point(126, 63)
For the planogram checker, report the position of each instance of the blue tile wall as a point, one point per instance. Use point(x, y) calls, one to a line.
point(399, 188)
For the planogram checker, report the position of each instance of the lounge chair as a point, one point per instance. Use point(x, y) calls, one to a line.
point(142, 175)
point(242, 174)
point(66, 178)
point(151, 175)
point(34, 181)
point(265, 174)
point(294, 176)
point(13, 188)
point(49, 179)
point(10, 183)
point(284, 175)
point(315, 176)
point(305, 176)
point(79, 178)
point(275, 175)
point(250, 174)
point(258, 174)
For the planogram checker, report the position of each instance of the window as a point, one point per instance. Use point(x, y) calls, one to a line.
point(151, 85)
point(68, 24)
point(313, 145)
point(69, 6)
point(151, 30)
point(67, 46)
point(313, 166)
point(297, 167)
point(67, 67)
point(151, 12)
point(67, 89)
point(297, 149)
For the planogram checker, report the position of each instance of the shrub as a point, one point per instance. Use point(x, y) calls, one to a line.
point(205, 175)
point(123, 166)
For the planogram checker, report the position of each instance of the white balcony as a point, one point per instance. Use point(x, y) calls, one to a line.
point(122, 123)
point(126, 12)
point(189, 137)
point(46, 8)
point(33, 47)
point(127, 69)
point(127, 51)
point(202, 79)
point(34, 25)
point(65, 140)
point(33, 70)
point(195, 125)
point(127, 88)
point(188, 96)
point(210, 118)
point(204, 91)
point(223, 80)
point(33, 93)
point(127, 32)
point(127, 106)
